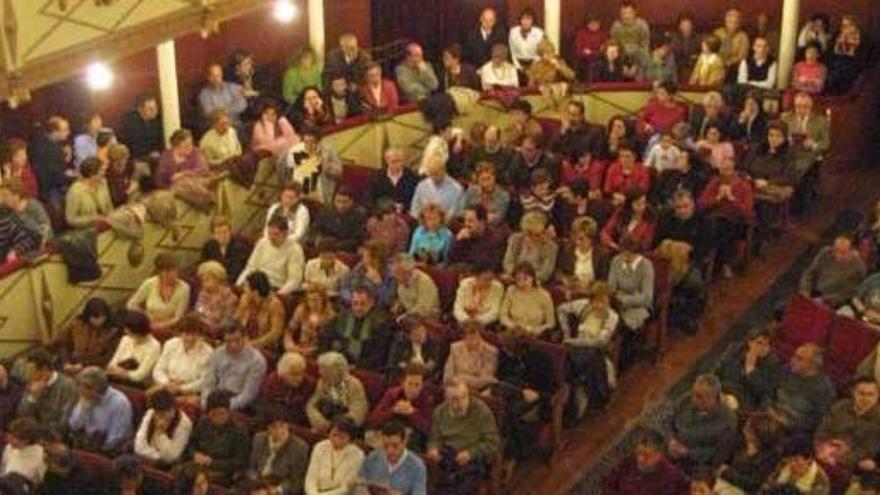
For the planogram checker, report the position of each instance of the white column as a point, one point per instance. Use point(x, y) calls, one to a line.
point(166, 59)
point(553, 22)
point(316, 27)
point(788, 34)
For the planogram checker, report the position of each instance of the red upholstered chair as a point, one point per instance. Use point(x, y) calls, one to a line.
point(358, 178)
point(849, 343)
point(446, 280)
point(550, 435)
point(374, 384)
point(805, 321)
point(550, 127)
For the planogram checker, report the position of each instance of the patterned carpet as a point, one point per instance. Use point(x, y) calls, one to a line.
point(658, 415)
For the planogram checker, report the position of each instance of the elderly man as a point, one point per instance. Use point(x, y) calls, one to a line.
point(438, 187)
point(702, 425)
point(806, 129)
point(102, 418)
point(647, 471)
point(835, 273)
point(220, 94)
point(362, 332)
point(235, 367)
point(278, 256)
point(464, 439)
point(141, 129)
point(472, 360)
point(348, 60)
point(395, 181)
point(417, 293)
point(479, 41)
point(753, 373)
point(415, 76)
point(409, 403)
point(393, 466)
point(805, 391)
point(631, 31)
point(855, 422)
point(288, 388)
point(712, 111)
point(49, 396)
point(218, 445)
point(279, 457)
point(685, 224)
point(759, 70)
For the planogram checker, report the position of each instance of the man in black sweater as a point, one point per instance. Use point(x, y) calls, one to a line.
point(49, 160)
point(685, 224)
point(141, 130)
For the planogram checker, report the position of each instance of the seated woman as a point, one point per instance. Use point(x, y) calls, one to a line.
point(611, 67)
point(260, 312)
point(527, 308)
point(164, 432)
point(17, 166)
point(124, 177)
point(586, 167)
point(801, 469)
point(303, 71)
point(809, 75)
point(432, 238)
point(540, 196)
point(414, 346)
point(216, 301)
point(220, 143)
point(617, 134)
point(848, 56)
point(379, 95)
point(715, 147)
point(751, 125)
point(581, 260)
point(310, 109)
point(499, 72)
point(758, 452)
point(137, 352)
point(635, 218)
point(472, 360)
point(709, 70)
point(532, 245)
point(338, 394)
point(774, 176)
point(272, 132)
point(88, 199)
point(24, 454)
point(371, 272)
point(662, 111)
point(164, 298)
point(631, 279)
point(335, 462)
point(690, 174)
point(729, 200)
point(549, 73)
point(182, 366)
point(89, 339)
point(626, 174)
point(588, 343)
point(479, 296)
point(288, 388)
point(309, 318)
point(183, 169)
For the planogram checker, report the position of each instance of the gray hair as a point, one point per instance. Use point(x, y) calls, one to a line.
point(709, 381)
point(290, 361)
point(93, 378)
point(392, 151)
point(334, 361)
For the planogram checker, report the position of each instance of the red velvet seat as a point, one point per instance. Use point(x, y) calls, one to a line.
point(655, 330)
point(446, 280)
point(373, 382)
point(358, 178)
point(550, 434)
point(849, 343)
point(805, 321)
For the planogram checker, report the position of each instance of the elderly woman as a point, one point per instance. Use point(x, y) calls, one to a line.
point(164, 432)
point(338, 394)
point(220, 142)
point(183, 363)
point(631, 278)
point(164, 297)
point(137, 352)
point(260, 312)
point(635, 218)
point(88, 199)
point(499, 72)
point(216, 301)
point(532, 245)
point(272, 134)
point(527, 308)
point(309, 318)
point(289, 388)
point(90, 338)
point(432, 238)
point(587, 344)
point(371, 272)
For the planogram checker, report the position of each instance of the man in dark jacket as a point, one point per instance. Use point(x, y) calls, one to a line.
point(230, 251)
point(218, 446)
point(141, 129)
point(480, 40)
point(343, 223)
point(362, 332)
point(348, 60)
point(647, 471)
point(685, 224)
point(279, 457)
point(49, 162)
point(753, 373)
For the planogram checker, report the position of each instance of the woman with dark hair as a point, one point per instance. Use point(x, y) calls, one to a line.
point(715, 147)
point(527, 308)
point(617, 133)
point(458, 74)
point(164, 298)
point(769, 164)
point(90, 338)
point(626, 174)
point(372, 272)
point(272, 132)
point(181, 159)
point(137, 352)
point(817, 30)
point(310, 109)
point(164, 431)
point(755, 457)
point(24, 454)
point(663, 111)
point(752, 122)
point(610, 67)
point(261, 312)
point(810, 74)
point(88, 199)
point(635, 218)
point(17, 166)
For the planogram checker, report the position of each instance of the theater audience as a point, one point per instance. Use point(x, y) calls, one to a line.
point(751, 123)
point(220, 143)
point(348, 60)
point(101, 420)
point(309, 319)
point(11, 392)
point(479, 297)
point(288, 388)
point(24, 454)
point(712, 110)
point(801, 470)
point(88, 200)
point(527, 308)
point(479, 239)
point(481, 39)
point(810, 74)
point(278, 257)
point(686, 46)
point(635, 218)
point(631, 31)
point(472, 361)
point(417, 293)
point(659, 68)
point(310, 109)
point(532, 245)
point(182, 168)
point(709, 69)
point(734, 42)
point(498, 72)
point(335, 462)
point(224, 247)
point(864, 305)
point(588, 42)
point(141, 129)
point(378, 95)
point(183, 364)
point(759, 69)
point(279, 457)
point(611, 67)
point(432, 238)
point(338, 395)
point(164, 431)
point(806, 129)
point(816, 29)
point(805, 392)
point(373, 273)
point(16, 166)
point(414, 346)
point(49, 395)
point(46, 151)
point(835, 273)
point(715, 146)
point(702, 425)
point(757, 453)
point(662, 112)
point(219, 445)
point(361, 332)
point(164, 297)
point(272, 132)
point(410, 404)
point(343, 101)
point(646, 470)
point(625, 174)
point(342, 223)
point(685, 224)
point(236, 368)
point(32, 226)
point(137, 352)
point(219, 93)
point(631, 278)
point(728, 199)
point(85, 145)
point(855, 423)
point(390, 226)
point(524, 40)
point(549, 69)
point(751, 375)
point(216, 301)
point(395, 181)
point(393, 465)
point(415, 76)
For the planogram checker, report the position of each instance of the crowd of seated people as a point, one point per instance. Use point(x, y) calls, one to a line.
point(364, 333)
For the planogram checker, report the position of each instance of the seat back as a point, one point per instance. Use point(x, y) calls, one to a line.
point(558, 356)
point(374, 384)
point(446, 280)
point(849, 343)
point(805, 321)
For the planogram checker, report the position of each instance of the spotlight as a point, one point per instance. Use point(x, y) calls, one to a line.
point(284, 11)
point(98, 76)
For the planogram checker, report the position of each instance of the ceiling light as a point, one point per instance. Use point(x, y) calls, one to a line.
point(284, 11)
point(98, 76)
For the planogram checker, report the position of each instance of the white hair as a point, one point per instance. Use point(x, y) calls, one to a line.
point(290, 361)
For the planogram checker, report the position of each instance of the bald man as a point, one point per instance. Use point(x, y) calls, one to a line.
point(805, 392)
point(415, 76)
point(480, 39)
point(348, 60)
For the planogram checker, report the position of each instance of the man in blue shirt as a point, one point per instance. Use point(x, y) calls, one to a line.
point(393, 467)
point(235, 367)
point(438, 187)
point(218, 93)
point(101, 419)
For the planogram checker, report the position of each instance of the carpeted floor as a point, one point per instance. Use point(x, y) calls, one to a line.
point(658, 414)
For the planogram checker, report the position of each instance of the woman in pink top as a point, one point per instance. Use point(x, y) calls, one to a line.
point(715, 146)
point(271, 132)
point(809, 74)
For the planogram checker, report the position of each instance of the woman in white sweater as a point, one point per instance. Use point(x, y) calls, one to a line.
point(164, 431)
point(335, 462)
point(23, 454)
point(137, 352)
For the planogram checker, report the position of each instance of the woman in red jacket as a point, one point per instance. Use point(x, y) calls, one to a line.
point(626, 174)
point(730, 200)
point(635, 218)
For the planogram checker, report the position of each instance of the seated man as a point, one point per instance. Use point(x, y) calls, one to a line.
point(807, 130)
point(479, 240)
point(413, 345)
point(292, 207)
point(530, 156)
point(472, 360)
point(338, 394)
point(576, 133)
point(479, 297)
point(49, 396)
point(226, 248)
point(805, 391)
point(220, 94)
point(393, 467)
point(279, 457)
point(218, 446)
point(342, 223)
point(288, 388)
point(437, 187)
point(182, 366)
point(486, 193)
point(753, 373)
point(279, 257)
point(415, 76)
point(685, 224)
point(631, 279)
point(408, 404)
point(464, 439)
point(702, 426)
point(759, 69)
point(325, 270)
point(101, 420)
point(417, 293)
point(522, 124)
point(647, 471)
point(30, 213)
point(491, 152)
point(335, 461)
point(835, 273)
point(855, 423)
point(235, 367)
point(361, 332)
